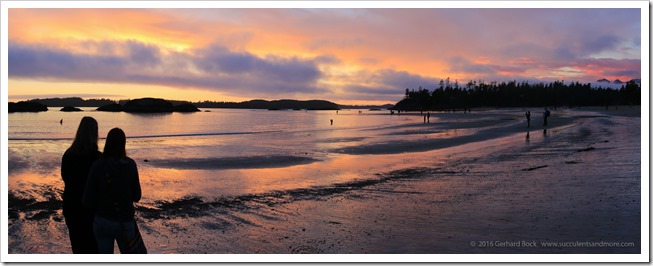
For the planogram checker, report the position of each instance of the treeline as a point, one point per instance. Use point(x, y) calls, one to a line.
point(277, 104)
point(73, 101)
point(384, 107)
point(449, 95)
point(261, 104)
point(253, 104)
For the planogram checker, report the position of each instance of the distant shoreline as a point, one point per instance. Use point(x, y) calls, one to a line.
point(251, 104)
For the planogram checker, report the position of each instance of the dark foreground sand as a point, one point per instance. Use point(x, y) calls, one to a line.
point(578, 184)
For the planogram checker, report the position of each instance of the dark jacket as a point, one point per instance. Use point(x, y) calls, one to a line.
point(74, 172)
point(112, 188)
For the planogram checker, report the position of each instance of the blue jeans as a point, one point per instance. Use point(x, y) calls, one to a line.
point(106, 231)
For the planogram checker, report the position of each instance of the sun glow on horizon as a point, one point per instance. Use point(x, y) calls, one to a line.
point(30, 89)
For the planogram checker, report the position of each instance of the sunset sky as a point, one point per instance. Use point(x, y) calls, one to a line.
point(345, 55)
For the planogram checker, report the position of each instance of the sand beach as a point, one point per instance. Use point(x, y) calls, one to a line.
point(453, 186)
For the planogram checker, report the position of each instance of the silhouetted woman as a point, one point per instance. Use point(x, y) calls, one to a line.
point(75, 165)
point(111, 190)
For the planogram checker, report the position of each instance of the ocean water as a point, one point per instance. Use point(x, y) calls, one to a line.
point(212, 153)
point(46, 126)
point(231, 152)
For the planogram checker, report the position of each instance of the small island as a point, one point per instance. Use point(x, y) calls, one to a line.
point(186, 108)
point(157, 105)
point(70, 109)
point(26, 106)
point(148, 105)
point(112, 107)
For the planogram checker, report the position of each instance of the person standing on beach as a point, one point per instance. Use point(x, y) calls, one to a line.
point(75, 165)
point(528, 119)
point(547, 113)
point(112, 188)
point(428, 117)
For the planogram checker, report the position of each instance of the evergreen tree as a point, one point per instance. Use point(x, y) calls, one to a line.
point(517, 94)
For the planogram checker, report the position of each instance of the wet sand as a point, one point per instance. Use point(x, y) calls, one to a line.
point(579, 181)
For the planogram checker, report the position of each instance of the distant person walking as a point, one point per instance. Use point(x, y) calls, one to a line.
point(547, 113)
point(428, 117)
point(528, 119)
point(75, 165)
point(332, 122)
point(112, 188)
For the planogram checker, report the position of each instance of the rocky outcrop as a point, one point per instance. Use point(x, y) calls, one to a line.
point(70, 109)
point(26, 106)
point(148, 105)
point(114, 107)
point(186, 108)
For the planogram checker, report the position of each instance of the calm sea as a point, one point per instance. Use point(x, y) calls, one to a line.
point(46, 125)
point(210, 153)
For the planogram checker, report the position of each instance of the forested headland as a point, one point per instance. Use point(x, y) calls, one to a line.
point(73, 101)
point(451, 96)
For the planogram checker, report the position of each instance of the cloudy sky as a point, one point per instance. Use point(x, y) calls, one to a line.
point(349, 56)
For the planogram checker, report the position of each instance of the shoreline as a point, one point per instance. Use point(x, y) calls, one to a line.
point(346, 216)
point(564, 194)
point(442, 208)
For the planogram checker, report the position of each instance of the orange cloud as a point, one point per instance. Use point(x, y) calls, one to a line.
point(64, 26)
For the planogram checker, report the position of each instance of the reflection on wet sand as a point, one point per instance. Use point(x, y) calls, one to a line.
point(335, 191)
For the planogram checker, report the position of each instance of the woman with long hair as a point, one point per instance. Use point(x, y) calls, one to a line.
point(112, 188)
point(75, 165)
